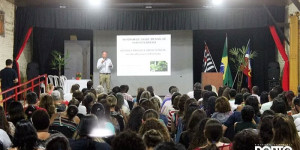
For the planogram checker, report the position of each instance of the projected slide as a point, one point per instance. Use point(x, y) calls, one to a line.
point(144, 55)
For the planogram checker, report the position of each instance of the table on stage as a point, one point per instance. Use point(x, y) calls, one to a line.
point(68, 84)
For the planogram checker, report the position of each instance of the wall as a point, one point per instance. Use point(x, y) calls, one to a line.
point(181, 61)
point(7, 42)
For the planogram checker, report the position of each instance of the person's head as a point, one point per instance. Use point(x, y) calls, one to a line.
point(74, 88)
point(40, 120)
point(238, 99)
point(120, 101)
point(146, 104)
point(176, 101)
point(264, 97)
point(99, 89)
point(173, 97)
point(151, 90)
point(116, 90)
point(272, 94)
point(188, 102)
point(226, 93)
point(195, 118)
point(206, 96)
point(152, 138)
point(278, 89)
point(3, 121)
point(181, 103)
point(124, 88)
point(265, 128)
point(267, 113)
point(169, 146)
point(279, 106)
point(297, 104)
point(150, 114)
point(245, 96)
point(58, 142)
point(208, 88)
point(128, 140)
point(222, 105)
point(211, 105)
point(289, 95)
point(101, 96)
point(16, 112)
point(72, 112)
point(104, 54)
point(135, 118)
point(78, 95)
point(244, 90)
point(89, 85)
point(47, 103)
point(245, 140)
point(140, 90)
point(56, 96)
point(253, 101)
point(74, 101)
point(213, 132)
point(86, 125)
point(197, 86)
point(99, 111)
point(255, 90)
point(89, 101)
point(25, 137)
point(146, 95)
point(221, 90)
point(111, 100)
point(247, 113)
point(232, 93)
point(157, 125)
point(9, 63)
point(199, 138)
point(31, 98)
point(285, 131)
point(170, 89)
point(188, 112)
point(155, 101)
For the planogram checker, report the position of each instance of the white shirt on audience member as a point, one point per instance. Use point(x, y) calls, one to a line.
point(266, 106)
point(191, 94)
point(4, 138)
point(68, 97)
point(81, 109)
point(166, 108)
point(232, 104)
point(258, 98)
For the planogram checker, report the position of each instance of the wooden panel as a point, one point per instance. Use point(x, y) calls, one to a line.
point(294, 53)
point(212, 78)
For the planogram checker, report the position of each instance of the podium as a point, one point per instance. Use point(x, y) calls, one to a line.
point(212, 78)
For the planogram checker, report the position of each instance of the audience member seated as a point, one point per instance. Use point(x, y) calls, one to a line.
point(68, 96)
point(265, 127)
point(128, 140)
point(285, 131)
point(151, 90)
point(198, 137)
point(186, 136)
point(172, 113)
point(244, 90)
point(255, 92)
point(189, 107)
point(99, 89)
point(213, 132)
point(156, 106)
point(81, 108)
point(66, 122)
point(157, 125)
point(172, 89)
point(135, 119)
point(5, 125)
point(152, 138)
point(122, 105)
point(15, 112)
point(47, 103)
point(264, 97)
point(246, 140)
point(88, 102)
point(58, 142)
point(99, 111)
point(58, 102)
point(226, 93)
point(196, 91)
point(210, 110)
point(169, 146)
point(279, 106)
point(247, 117)
point(116, 118)
point(49, 88)
point(223, 109)
point(5, 131)
point(136, 100)
point(232, 94)
point(25, 137)
point(84, 140)
point(266, 106)
point(31, 99)
point(41, 123)
point(238, 99)
point(124, 91)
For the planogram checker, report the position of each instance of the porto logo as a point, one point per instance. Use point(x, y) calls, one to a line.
point(273, 148)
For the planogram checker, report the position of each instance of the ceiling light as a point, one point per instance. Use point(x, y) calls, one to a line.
point(217, 2)
point(96, 3)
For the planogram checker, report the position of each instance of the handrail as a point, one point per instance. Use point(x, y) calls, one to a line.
point(17, 91)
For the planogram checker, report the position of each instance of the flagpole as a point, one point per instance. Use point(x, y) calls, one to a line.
point(211, 58)
point(234, 79)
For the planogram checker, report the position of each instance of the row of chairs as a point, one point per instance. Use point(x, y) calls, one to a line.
point(56, 80)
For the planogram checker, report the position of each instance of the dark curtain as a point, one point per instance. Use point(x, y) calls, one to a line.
point(261, 42)
point(45, 40)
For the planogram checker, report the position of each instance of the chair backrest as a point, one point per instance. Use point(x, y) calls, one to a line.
point(64, 130)
point(56, 81)
point(62, 80)
point(50, 79)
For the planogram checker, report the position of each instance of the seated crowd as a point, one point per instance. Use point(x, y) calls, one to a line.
point(206, 119)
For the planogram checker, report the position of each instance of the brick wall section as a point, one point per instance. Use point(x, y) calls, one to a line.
point(7, 42)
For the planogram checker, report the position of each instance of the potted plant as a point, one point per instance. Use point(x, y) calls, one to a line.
point(59, 60)
point(239, 62)
point(78, 76)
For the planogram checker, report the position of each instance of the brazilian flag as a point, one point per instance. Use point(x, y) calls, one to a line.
point(227, 78)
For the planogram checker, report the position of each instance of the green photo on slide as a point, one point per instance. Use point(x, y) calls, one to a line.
point(158, 66)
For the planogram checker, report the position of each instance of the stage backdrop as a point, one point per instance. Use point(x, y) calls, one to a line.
point(181, 61)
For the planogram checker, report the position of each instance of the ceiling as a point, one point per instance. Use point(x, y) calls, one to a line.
point(152, 3)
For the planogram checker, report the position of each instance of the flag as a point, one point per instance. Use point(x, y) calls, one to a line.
point(208, 63)
point(224, 68)
point(247, 68)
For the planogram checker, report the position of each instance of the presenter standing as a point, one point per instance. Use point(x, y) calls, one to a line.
point(105, 66)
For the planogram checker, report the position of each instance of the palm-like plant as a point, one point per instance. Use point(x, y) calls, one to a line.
point(239, 62)
point(59, 60)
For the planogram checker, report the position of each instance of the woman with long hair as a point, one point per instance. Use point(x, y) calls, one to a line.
point(47, 103)
point(4, 124)
point(199, 138)
point(285, 131)
point(135, 119)
point(157, 125)
point(16, 112)
point(213, 132)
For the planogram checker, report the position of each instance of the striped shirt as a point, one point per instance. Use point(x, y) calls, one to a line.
point(61, 121)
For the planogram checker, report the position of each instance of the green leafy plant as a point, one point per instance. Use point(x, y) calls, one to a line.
point(238, 59)
point(158, 66)
point(59, 60)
